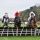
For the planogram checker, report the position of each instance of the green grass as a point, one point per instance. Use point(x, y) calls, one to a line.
point(12, 25)
point(21, 38)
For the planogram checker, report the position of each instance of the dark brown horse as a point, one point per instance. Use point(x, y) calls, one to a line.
point(32, 23)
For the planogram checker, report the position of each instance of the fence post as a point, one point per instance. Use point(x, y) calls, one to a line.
point(21, 32)
point(31, 31)
point(26, 32)
point(12, 32)
point(2, 32)
point(38, 31)
point(17, 32)
point(35, 32)
point(7, 31)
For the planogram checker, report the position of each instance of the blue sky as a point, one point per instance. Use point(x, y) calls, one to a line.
point(11, 6)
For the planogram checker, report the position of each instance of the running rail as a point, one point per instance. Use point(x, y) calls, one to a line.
point(19, 32)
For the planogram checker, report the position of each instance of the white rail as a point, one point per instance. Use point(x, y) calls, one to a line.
point(19, 32)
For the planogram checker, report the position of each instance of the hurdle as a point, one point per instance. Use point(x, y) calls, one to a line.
point(19, 32)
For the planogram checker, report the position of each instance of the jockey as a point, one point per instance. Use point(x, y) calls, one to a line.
point(32, 19)
point(5, 20)
point(30, 15)
point(17, 20)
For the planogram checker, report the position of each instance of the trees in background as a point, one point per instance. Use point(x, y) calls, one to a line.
point(25, 13)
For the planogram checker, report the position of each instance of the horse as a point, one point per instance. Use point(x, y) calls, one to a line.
point(5, 20)
point(17, 22)
point(32, 23)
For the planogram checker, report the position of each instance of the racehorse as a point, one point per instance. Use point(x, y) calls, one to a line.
point(32, 20)
point(17, 20)
point(33, 23)
point(5, 20)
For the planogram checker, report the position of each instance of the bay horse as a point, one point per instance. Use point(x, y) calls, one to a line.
point(33, 22)
point(17, 22)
